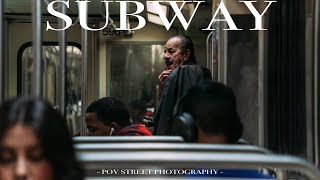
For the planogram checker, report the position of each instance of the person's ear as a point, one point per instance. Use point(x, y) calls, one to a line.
point(187, 55)
point(114, 125)
point(111, 131)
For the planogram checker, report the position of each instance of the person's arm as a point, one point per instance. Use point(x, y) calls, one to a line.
point(162, 77)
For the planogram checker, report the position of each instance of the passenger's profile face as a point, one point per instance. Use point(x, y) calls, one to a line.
point(95, 126)
point(21, 156)
point(172, 52)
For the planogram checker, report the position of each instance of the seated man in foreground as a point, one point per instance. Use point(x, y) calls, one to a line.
point(210, 116)
point(210, 108)
point(110, 117)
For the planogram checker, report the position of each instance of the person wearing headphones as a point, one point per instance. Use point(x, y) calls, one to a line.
point(209, 116)
point(209, 109)
point(109, 116)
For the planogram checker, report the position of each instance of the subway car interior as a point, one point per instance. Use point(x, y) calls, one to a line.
point(273, 72)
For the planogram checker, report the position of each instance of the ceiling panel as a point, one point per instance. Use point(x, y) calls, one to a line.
point(95, 7)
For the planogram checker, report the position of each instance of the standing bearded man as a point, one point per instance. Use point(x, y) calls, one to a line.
point(182, 73)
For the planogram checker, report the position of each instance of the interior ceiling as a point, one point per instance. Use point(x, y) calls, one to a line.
point(22, 8)
point(25, 6)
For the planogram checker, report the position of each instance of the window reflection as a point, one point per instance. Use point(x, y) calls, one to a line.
point(134, 71)
point(50, 80)
point(243, 74)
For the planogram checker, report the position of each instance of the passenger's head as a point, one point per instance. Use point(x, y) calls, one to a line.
point(137, 109)
point(213, 108)
point(106, 116)
point(179, 50)
point(35, 142)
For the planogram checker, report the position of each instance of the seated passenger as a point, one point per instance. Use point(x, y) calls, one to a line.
point(210, 116)
point(110, 117)
point(212, 106)
point(139, 114)
point(137, 110)
point(35, 143)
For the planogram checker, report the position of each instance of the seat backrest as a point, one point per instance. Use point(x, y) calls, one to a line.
point(120, 147)
point(127, 139)
point(158, 160)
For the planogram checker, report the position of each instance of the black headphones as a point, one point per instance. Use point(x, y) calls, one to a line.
point(185, 127)
point(183, 124)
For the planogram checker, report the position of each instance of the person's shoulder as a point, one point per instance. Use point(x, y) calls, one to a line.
point(181, 68)
point(189, 66)
point(174, 73)
point(193, 69)
point(206, 73)
point(135, 130)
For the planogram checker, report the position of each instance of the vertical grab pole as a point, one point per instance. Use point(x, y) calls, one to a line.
point(316, 80)
point(36, 48)
point(63, 57)
point(2, 59)
point(209, 55)
point(261, 87)
point(223, 56)
point(84, 34)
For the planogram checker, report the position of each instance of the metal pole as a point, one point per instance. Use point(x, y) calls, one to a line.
point(316, 85)
point(63, 57)
point(36, 48)
point(224, 62)
point(2, 59)
point(84, 34)
point(96, 63)
point(261, 87)
point(209, 49)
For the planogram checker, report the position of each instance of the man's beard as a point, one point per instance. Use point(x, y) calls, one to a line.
point(169, 62)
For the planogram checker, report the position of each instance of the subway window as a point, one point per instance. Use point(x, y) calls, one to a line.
point(134, 71)
point(50, 78)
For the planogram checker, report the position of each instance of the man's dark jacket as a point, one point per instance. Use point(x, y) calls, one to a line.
point(175, 87)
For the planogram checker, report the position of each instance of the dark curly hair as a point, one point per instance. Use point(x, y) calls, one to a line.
point(110, 109)
point(213, 106)
point(50, 128)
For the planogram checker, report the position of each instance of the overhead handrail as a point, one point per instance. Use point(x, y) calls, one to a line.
point(156, 159)
point(117, 147)
point(127, 139)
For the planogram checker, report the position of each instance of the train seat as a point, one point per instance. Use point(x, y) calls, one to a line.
point(152, 146)
point(127, 139)
point(97, 164)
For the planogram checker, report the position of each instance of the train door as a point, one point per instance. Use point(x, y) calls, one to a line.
point(274, 74)
point(21, 66)
point(239, 62)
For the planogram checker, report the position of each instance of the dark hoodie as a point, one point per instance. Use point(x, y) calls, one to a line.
point(175, 87)
point(134, 130)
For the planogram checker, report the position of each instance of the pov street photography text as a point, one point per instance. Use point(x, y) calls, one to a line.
point(82, 5)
